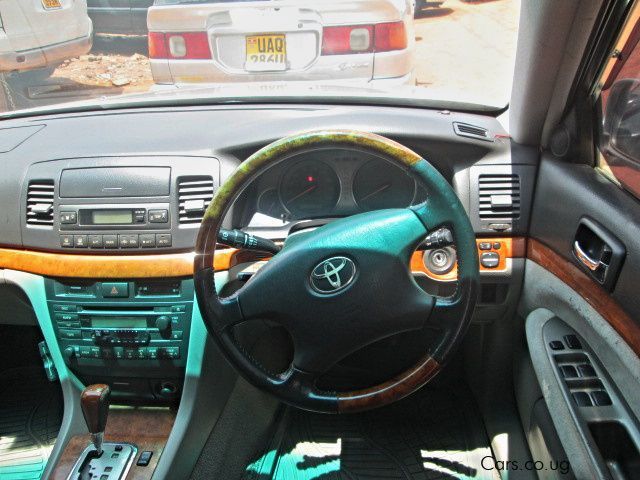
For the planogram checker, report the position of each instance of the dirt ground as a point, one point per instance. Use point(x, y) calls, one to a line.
point(483, 32)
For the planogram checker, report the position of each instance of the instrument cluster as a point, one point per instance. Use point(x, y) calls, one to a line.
point(334, 183)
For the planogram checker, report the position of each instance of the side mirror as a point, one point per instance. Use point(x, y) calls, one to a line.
point(621, 122)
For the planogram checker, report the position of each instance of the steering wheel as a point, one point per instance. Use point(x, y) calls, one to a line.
point(342, 286)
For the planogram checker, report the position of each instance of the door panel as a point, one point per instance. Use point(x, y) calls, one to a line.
point(566, 193)
point(560, 295)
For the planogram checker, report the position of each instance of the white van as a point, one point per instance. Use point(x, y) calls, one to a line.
point(42, 33)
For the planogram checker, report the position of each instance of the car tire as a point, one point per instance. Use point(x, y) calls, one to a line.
point(36, 75)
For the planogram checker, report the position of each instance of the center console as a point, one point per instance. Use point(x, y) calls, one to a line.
point(131, 334)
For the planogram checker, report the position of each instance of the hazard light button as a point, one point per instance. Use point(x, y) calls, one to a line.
point(115, 290)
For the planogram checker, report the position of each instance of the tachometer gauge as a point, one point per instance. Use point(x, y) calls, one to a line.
point(310, 188)
point(269, 204)
point(380, 184)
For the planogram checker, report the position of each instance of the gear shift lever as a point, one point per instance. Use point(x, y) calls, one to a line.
point(95, 408)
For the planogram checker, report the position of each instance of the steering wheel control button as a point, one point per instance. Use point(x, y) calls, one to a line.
point(163, 240)
point(68, 218)
point(333, 275)
point(66, 241)
point(114, 289)
point(80, 241)
point(582, 399)
point(489, 259)
point(158, 216)
point(484, 245)
point(144, 459)
point(572, 342)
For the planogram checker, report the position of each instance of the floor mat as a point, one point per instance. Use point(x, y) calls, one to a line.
point(434, 434)
point(31, 411)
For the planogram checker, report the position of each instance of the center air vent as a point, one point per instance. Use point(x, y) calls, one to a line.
point(194, 195)
point(471, 131)
point(499, 196)
point(40, 202)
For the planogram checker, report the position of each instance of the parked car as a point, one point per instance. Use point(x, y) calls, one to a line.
point(334, 41)
point(41, 34)
point(119, 16)
point(422, 4)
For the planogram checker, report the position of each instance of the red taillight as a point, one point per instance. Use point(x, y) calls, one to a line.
point(382, 37)
point(157, 45)
point(179, 45)
point(350, 39)
point(390, 36)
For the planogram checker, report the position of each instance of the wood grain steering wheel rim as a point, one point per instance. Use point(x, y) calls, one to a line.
point(379, 245)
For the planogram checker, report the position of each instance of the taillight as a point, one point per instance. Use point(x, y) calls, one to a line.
point(382, 37)
point(179, 45)
point(343, 40)
point(390, 36)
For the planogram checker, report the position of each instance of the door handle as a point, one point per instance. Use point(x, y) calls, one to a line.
point(584, 257)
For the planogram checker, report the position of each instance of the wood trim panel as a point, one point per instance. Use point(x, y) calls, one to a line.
point(68, 265)
point(112, 266)
point(146, 427)
point(509, 248)
point(588, 289)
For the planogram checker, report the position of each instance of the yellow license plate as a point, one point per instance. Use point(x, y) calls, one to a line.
point(266, 53)
point(49, 4)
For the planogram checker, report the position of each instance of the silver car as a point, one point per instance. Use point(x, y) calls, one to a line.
point(331, 41)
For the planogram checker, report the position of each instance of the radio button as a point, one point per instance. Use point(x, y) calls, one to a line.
point(66, 241)
point(142, 353)
point(178, 308)
point(152, 353)
point(63, 324)
point(148, 240)
point(163, 240)
point(66, 317)
point(80, 241)
point(62, 307)
point(128, 241)
point(114, 289)
point(176, 335)
point(68, 217)
point(96, 352)
point(139, 215)
point(95, 241)
point(110, 241)
point(118, 352)
point(70, 334)
point(84, 352)
point(130, 353)
point(158, 216)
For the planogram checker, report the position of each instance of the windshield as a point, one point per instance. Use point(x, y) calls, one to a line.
point(93, 53)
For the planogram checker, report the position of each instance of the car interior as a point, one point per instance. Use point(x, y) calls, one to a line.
point(330, 287)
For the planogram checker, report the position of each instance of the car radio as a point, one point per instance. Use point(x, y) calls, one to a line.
point(122, 325)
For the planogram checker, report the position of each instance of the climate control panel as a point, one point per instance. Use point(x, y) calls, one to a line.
point(130, 328)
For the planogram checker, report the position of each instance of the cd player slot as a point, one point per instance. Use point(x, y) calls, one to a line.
point(119, 310)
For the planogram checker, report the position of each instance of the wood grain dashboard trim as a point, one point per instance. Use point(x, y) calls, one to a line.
point(587, 288)
point(66, 265)
point(146, 427)
point(110, 266)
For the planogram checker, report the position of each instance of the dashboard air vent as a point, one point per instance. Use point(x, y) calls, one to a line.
point(194, 195)
point(499, 196)
point(40, 202)
point(471, 131)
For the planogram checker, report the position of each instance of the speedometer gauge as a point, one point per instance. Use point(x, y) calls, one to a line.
point(380, 184)
point(310, 187)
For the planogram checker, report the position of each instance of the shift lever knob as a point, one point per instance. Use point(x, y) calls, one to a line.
point(95, 408)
